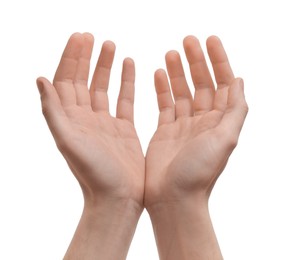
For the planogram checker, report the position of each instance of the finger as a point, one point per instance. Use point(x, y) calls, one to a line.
point(100, 80)
point(53, 110)
point(180, 89)
point(164, 98)
point(82, 71)
point(65, 74)
point(126, 95)
point(204, 94)
point(234, 116)
point(222, 70)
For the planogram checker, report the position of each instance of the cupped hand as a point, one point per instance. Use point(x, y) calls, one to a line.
point(102, 151)
point(195, 136)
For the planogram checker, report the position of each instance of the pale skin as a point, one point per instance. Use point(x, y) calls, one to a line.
point(186, 155)
point(102, 151)
point(190, 149)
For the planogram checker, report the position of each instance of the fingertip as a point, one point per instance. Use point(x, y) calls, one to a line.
point(88, 36)
point(240, 82)
point(236, 94)
point(190, 40)
point(129, 61)
point(76, 36)
point(128, 70)
point(213, 40)
point(241, 85)
point(42, 80)
point(172, 53)
point(88, 40)
point(39, 81)
point(73, 46)
point(109, 46)
point(41, 84)
point(161, 81)
point(172, 56)
point(160, 72)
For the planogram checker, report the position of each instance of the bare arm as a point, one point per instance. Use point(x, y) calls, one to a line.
point(102, 151)
point(195, 137)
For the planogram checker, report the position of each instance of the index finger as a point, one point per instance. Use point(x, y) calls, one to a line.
point(221, 67)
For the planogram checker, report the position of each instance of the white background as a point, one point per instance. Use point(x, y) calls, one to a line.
point(40, 200)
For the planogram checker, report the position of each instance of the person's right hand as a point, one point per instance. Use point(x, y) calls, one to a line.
point(103, 152)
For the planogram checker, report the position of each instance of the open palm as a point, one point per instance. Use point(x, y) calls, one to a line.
point(195, 136)
point(103, 152)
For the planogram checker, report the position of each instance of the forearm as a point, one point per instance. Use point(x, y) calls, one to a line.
point(105, 231)
point(183, 230)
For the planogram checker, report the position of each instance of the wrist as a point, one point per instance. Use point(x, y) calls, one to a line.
point(193, 209)
point(168, 197)
point(127, 197)
point(105, 230)
point(183, 230)
point(122, 206)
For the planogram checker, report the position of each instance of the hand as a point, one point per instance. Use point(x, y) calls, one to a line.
point(195, 136)
point(190, 149)
point(102, 151)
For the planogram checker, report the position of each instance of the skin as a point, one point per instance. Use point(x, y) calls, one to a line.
point(102, 151)
point(186, 155)
point(190, 149)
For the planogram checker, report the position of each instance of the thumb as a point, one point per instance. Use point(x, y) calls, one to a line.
point(52, 108)
point(236, 111)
